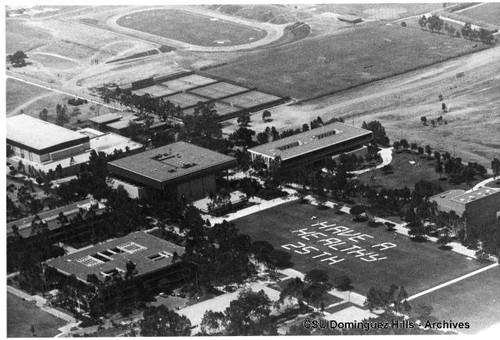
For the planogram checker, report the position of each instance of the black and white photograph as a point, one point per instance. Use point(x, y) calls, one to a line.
point(230, 168)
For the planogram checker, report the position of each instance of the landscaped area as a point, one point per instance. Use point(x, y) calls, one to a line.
point(23, 314)
point(330, 63)
point(191, 28)
point(371, 257)
point(408, 169)
point(474, 300)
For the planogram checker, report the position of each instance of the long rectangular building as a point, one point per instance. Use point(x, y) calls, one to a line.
point(40, 141)
point(313, 145)
point(180, 169)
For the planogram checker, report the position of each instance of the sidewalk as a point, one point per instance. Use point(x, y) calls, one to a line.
point(386, 155)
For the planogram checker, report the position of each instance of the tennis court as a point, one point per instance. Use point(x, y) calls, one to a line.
point(251, 99)
point(219, 90)
point(184, 100)
point(155, 91)
point(188, 82)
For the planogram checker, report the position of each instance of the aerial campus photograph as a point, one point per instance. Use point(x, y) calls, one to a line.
point(252, 169)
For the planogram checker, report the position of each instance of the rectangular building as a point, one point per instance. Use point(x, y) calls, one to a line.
point(313, 145)
point(40, 141)
point(181, 170)
point(481, 206)
point(154, 259)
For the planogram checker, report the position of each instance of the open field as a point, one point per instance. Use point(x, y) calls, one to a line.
point(407, 174)
point(19, 93)
point(475, 300)
point(191, 28)
point(22, 314)
point(328, 63)
point(487, 12)
point(416, 266)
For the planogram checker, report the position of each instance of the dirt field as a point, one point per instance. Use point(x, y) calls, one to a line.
point(20, 94)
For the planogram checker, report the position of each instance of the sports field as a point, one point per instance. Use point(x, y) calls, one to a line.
point(184, 99)
point(487, 12)
point(475, 300)
point(328, 63)
point(250, 99)
point(371, 257)
point(21, 315)
point(155, 91)
point(191, 28)
point(219, 90)
point(187, 82)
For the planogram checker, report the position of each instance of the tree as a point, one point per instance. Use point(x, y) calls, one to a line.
point(424, 120)
point(358, 211)
point(262, 138)
point(266, 115)
point(435, 23)
point(417, 230)
point(160, 321)
point(379, 135)
point(344, 283)
point(495, 167)
point(422, 21)
point(244, 119)
point(428, 150)
point(17, 59)
point(213, 323)
point(44, 114)
point(61, 115)
point(249, 315)
point(316, 276)
point(439, 168)
point(466, 30)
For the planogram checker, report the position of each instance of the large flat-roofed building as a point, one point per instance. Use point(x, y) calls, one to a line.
point(154, 259)
point(181, 170)
point(40, 141)
point(482, 205)
point(313, 145)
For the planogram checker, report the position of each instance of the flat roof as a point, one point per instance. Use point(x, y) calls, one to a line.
point(473, 195)
point(109, 117)
point(148, 252)
point(311, 140)
point(49, 216)
point(170, 162)
point(445, 199)
point(38, 134)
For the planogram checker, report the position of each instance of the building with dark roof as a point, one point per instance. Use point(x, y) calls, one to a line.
point(313, 145)
point(480, 206)
point(179, 170)
point(40, 141)
point(100, 122)
point(154, 259)
point(56, 228)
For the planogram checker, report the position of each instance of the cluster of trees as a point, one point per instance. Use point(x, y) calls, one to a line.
point(393, 300)
point(439, 120)
point(436, 24)
point(144, 104)
point(62, 116)
point(379, 135)
point(17, 59)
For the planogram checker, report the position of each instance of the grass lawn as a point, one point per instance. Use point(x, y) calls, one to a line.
point(19, 93)
point(22, 314)
point(416, 266)
point(191, 28)
point(407, 174)
point(328, 63)
point(488, 13)
point(475, 300)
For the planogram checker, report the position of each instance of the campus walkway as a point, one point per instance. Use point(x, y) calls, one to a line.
point(386, 155)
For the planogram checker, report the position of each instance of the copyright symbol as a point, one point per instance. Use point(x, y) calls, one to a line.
point(306, 324)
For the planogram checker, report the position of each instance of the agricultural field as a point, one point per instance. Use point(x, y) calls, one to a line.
point(486, 12)
point(475, 300)
point(191, 28)
point(330, 63)
point(22, 314)
point(371, 257)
